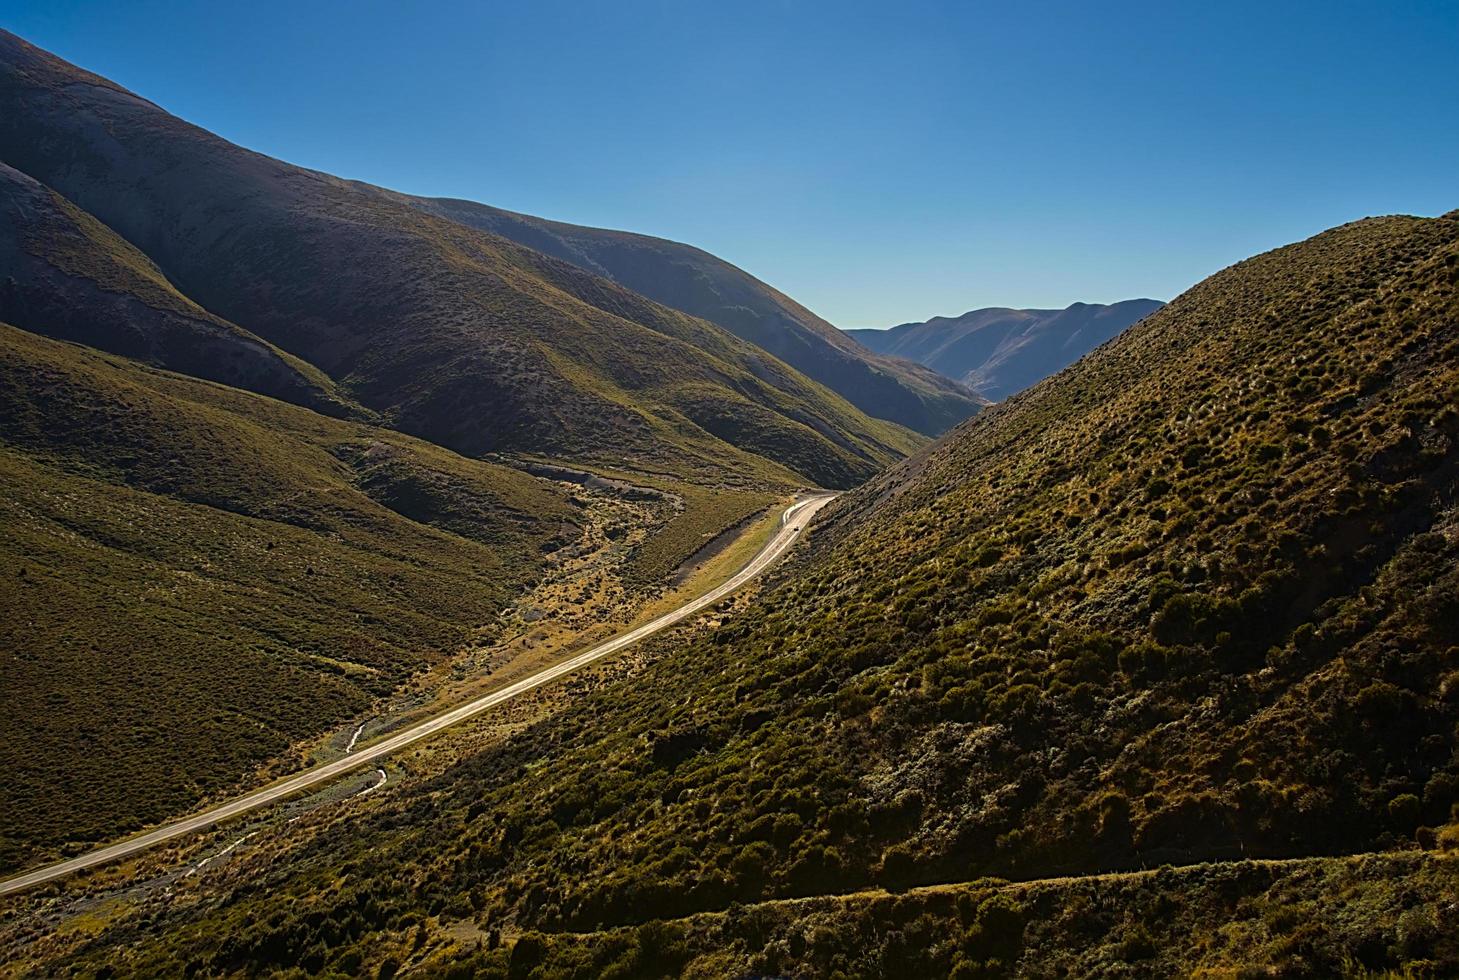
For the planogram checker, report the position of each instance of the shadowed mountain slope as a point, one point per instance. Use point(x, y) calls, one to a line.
point(460, 336)
point(999, 352)
point(1195, 598)
point(68, 275)
point(701, 284)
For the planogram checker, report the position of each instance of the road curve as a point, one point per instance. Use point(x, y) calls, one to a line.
point(792, 523)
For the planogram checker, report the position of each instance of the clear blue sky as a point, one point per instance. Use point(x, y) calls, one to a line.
point(879, 162)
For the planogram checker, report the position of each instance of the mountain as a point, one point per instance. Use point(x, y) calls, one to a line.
point(69, 276)
point(700, 284)
point(445, 331)
point(1192, 602)
point(999, 352)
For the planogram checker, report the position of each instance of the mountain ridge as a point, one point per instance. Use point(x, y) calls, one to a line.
point(697, 282)
point(445, 331)
point(999, 351)
point(71, 277)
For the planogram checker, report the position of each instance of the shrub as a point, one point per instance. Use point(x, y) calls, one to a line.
point(1404, 810)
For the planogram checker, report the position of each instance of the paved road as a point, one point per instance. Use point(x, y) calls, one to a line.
point(792, 523)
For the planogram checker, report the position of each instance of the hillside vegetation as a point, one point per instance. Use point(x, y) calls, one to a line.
point(1194, 599)
point(1319, 917)
point(198, 577)
point(703, 285)
point(448, 332)
point(999, 352)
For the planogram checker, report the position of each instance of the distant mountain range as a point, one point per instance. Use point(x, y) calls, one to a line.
point(1000, 351)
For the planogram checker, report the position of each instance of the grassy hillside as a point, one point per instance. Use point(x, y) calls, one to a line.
point(999, 352)
point(450, 333)
point(196, 577)
point(1194, 599)
point(69, 276)
point(700, 284)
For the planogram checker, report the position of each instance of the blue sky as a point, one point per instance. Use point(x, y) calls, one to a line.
point(878, 162)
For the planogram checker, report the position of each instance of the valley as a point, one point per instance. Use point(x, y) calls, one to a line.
point(281, 567)
point(872, 693)
point(397, 585)
point(789, 524)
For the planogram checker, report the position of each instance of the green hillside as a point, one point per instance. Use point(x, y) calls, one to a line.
point(703, 285)
point(1194, 599)
point(1248, 918)
point(448, 332)
point(198, 577)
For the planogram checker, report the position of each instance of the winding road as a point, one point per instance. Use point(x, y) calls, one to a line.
point(792, 523)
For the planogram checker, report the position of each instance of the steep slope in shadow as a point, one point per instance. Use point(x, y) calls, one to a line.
point(69, 276)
